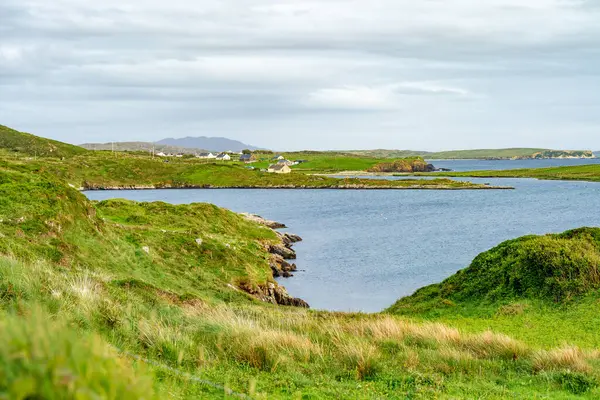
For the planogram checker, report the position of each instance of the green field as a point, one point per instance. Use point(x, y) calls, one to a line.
point(576, 173)
point(120, 170)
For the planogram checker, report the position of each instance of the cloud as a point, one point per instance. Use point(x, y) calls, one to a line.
point(400, 73)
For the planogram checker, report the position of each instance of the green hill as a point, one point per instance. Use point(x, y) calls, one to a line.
point(539, 289)
point(499, 154)
point(555, 268)
point(28, 144)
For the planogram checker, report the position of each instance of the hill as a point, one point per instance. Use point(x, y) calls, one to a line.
point(141, 147)
point(555, 268)
point(499, 154)
point(540, 289)
point(24, 143)
point(210, 143)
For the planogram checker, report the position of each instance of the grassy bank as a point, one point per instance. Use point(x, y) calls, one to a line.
point(121, 300)
point(576, 173)
point(539, 289)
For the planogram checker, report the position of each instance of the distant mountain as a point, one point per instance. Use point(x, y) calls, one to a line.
point(210, 143)
point(140, 146)
point(26, 143)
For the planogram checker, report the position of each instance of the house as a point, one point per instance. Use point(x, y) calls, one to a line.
point(279, 169)
point(179, 155)
point(161, 154)
point(223, 157)
point(278, 157)
point(247, 158)
point(206, 155)
point(285, 162)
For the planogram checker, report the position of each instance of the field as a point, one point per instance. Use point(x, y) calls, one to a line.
point(97, 170)
point(577, 173)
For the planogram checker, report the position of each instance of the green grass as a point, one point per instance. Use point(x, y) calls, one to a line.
point(27, 144)
point(85, 287)
point(539, 289)
point(576, 173)
point(105, 170)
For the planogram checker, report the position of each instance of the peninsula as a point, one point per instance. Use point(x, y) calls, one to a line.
point(94, 170)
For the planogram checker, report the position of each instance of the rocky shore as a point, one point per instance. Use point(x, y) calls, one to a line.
point(280, 254)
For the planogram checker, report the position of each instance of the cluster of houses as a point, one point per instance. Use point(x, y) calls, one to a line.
point(279, 164)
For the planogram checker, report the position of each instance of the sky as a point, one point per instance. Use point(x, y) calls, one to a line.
point(305, 74)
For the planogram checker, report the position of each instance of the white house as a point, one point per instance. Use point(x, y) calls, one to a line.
point(279, 169)
point(224, 157)
point(161, 154)
point(206, 155)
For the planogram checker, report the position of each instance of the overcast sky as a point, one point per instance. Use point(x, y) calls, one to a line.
point(294, 74)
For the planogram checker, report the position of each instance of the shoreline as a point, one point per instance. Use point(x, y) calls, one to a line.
point(292, 187)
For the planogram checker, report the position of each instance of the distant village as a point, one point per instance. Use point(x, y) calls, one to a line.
point(278, 163)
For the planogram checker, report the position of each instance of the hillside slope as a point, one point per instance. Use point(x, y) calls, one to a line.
point(541, 289)
point(28, 144)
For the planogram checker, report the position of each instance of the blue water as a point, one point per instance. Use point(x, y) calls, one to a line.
point(474, 165)
point(364, 249)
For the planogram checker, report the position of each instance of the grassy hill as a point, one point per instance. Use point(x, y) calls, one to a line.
point(119, 300)
point(24, 143)
point(539, 289)
point(511, 153)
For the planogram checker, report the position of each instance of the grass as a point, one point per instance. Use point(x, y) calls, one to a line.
point(576, 173)
point(30, 145)
point(89, 289)
point(540, 289)
point(120, 170)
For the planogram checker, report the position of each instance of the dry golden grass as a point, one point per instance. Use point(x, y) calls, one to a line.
point(566, 358)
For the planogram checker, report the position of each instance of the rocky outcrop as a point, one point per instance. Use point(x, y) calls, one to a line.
point(404, 165)
point(280, 267)
point(275, 294)
point(282, 250)
point(265, 222)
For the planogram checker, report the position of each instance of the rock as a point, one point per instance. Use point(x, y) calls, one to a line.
point(274, 294)
point(288, 238)
point(260, 220)
point(283, 251)
point(280, 267)
point(407, 165)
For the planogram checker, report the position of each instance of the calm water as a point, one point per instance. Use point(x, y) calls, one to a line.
point(362, 250)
